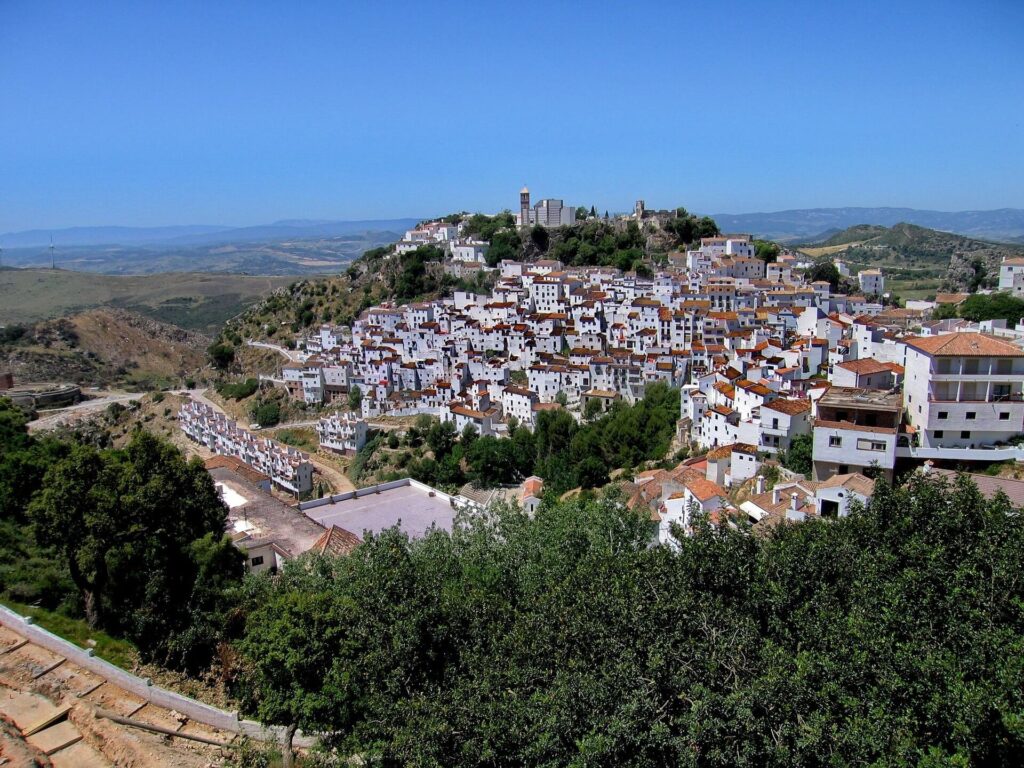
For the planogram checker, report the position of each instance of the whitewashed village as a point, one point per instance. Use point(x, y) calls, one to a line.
point(763, 360)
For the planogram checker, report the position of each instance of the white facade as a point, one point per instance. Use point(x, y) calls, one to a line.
point(871, 282)
point(342, 433)
point(1011, 276)
point(287, 467)
point(957, 400)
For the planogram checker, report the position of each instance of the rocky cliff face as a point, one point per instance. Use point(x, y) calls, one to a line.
point(977, 268)
point(104, 346)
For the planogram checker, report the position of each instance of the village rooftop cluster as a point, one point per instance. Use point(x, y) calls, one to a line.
point(760, 356)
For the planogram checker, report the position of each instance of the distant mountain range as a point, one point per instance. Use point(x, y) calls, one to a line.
point(200, 234)
point(817, 224)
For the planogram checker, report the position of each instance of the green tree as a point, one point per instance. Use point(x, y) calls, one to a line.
point(267, 414)
point(221, 355)
point(824, 269)
point(540, 238)
point(355, 398)
point(441, 438)
point(492, 462)
point(799, 456)
point(992, 307)
point(504, 245)
point(469, 435)
point(890, 637)
point(766, 250)
point(142, 534)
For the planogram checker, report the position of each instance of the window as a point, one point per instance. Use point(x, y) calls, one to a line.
point(965, 435)
point(257, 560)
point(971, 415)
point(943, 414)
point(834, 441)
point(870, 445)
point(939, 433)
point(1004, 415)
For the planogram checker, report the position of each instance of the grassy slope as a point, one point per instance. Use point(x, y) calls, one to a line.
point(198, 301)
point(118, 652)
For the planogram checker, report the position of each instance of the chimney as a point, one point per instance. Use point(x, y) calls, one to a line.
point(759, 484)
point(775, 495)
point(793, 505)
point(927, 467)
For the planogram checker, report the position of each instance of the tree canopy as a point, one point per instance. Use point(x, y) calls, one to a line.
point(825, 269)
point(981, 306)
point(689, 228)
point(132, 538)
point(561, 451)
point(892, 637)
point(142, 533)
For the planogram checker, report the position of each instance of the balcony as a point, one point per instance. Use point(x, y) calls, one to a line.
point(985, 453)
point(1014, 397)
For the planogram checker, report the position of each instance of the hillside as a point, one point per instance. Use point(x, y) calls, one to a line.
point(102, 347)
point(283, 257)
point(195, 301)
point(800, 225)
point(908, 251)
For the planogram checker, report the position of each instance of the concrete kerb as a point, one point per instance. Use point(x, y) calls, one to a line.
point(143, 687)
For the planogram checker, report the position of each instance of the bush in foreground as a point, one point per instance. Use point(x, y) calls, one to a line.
point(891, 637)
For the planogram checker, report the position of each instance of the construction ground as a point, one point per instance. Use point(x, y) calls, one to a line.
point(53, 712)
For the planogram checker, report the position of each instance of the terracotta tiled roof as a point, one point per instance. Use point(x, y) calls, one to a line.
point(237, 466)
point(788, 406)
point(964, 345)
point(704, 489)
point(854, 481)
point(863, 366)
point(336, 541)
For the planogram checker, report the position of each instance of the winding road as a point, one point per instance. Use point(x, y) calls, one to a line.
point(50, 419)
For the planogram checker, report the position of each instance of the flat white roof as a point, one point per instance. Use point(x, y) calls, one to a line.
point(230, 496)
point(414, 510)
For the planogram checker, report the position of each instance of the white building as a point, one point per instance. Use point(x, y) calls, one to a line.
point(470, 251)
point(342, 433)
point(1011, 276)
point(855, 430)
point(287, 467)
point(964, 391)
point(871, 282)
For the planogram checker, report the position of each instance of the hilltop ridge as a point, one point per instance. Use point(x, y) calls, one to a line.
point(963, 263)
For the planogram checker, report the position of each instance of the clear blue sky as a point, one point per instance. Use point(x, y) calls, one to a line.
point(147, 113)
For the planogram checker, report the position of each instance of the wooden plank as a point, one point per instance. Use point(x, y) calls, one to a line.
point(14, 647)
point(91, 689)
point(59, 714)
point(48, 669)
point(55, 738)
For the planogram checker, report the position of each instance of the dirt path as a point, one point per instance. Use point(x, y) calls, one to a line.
point(73, 413)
